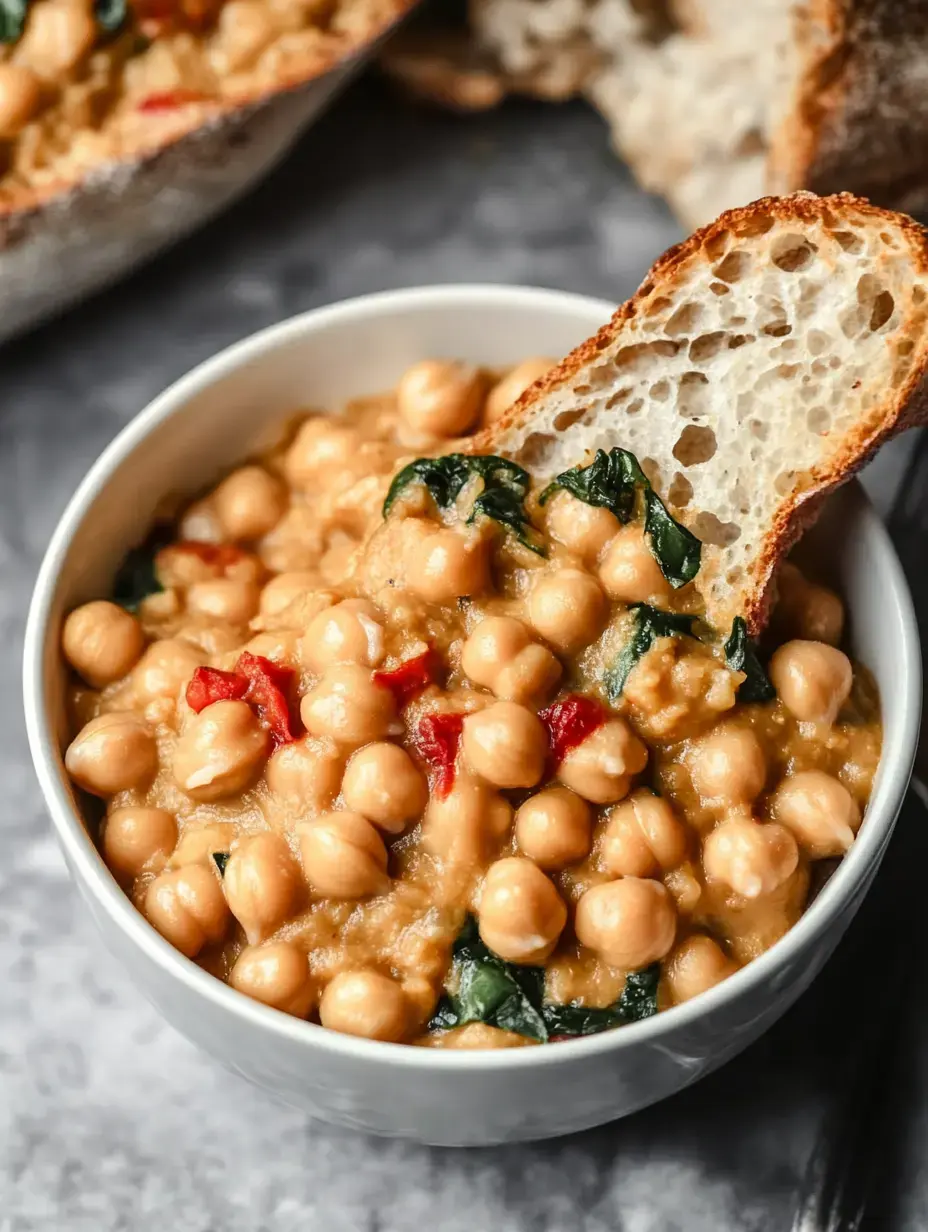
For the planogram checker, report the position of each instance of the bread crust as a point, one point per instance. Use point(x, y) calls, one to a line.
point(859, 114)
point(905, 408)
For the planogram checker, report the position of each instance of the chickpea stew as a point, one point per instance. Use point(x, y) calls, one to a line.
point(390, 739)
point(87, 82)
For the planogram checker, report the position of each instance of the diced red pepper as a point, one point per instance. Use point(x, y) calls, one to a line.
point(437, 739)
point(269, 689)
point(209, 684)
point(411, 677)
point(569, 722)
point(265, 685)
point(217, 555)
point(170, 100)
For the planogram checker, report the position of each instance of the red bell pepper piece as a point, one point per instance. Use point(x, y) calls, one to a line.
point(437, 739)
point(217, 555)
point(569, 722)
point(170, 100)
point(266, 686)
point(410, 678)
point(209, 684)
point(268, 690)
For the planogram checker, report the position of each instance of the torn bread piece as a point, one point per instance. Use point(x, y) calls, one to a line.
point(759, 365)
point(712, 103)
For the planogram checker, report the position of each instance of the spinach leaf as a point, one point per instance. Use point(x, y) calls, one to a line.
point(507, 509)
point(649, 624)
point(577, 1020)
point(741, 654)
point(12, 19)
point(136, 578)
point(609, 482)
point(501, 994)
point(110, 14)
point(505, 487)
point(638, 1000)
point(511, 997)
point(444, 477)
point(675, 549)
point(221, 859)
point(639, 996)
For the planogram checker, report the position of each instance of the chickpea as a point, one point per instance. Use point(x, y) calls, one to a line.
point(520, 915)
point(466, 827)
point(475, 1035)
point(349, 632)
point(285, 589)
point(819, 810)
point(221, 752)
point(553, 828)
point(567, 608)
point(506, 744)
point(629, 923)
point(114, 752)
point(262, 885)
point(813, 680)
point(643, 837)
point(601, 768)
point(383, 784)
point(181, 565)
point(501, 656)
point(343, 856)
point(348, 707)
point(727, 766)
point(249, 502)
point(513, 385)
point(320, 448)
point(449, 563)
point(244, 30)
point(56, 38)
point(101, 641)
point(365, 1003)
point(628, 571)
point(695, 966)
point(277, 975)
point(20, 95)
point(201, 842)
point(188, 908)
point(808, 610)
point(307, 772)
point(200, 522)
point(278, 645)
point(224, 599)
point(440, 399)
point(584, 529)
point(752, 859)
point(137, 839)
point(164, 670)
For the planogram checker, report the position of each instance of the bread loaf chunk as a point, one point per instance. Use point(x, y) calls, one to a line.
point(712, 102)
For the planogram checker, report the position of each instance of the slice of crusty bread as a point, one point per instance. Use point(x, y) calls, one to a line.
point(758, 366)
point(712, 102)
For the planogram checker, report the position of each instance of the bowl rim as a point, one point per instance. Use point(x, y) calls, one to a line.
point(88, 868)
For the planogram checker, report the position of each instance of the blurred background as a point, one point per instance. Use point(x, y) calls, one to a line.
point(108, 1120)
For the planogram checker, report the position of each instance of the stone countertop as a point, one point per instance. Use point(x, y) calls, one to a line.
point(108, 1119)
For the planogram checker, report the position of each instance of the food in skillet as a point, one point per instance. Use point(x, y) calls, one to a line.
point(468, 740)
point(125, 123)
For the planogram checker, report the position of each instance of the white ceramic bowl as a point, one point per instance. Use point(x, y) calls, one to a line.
point(185, 439)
